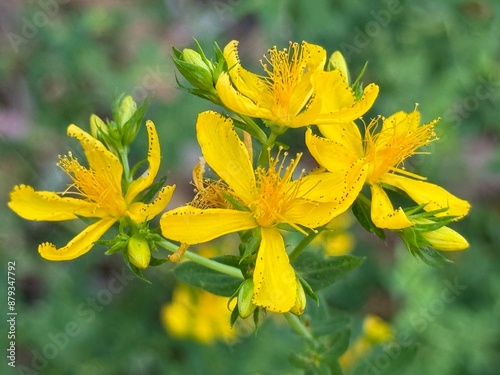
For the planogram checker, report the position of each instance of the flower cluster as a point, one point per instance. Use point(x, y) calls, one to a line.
point(257, 186)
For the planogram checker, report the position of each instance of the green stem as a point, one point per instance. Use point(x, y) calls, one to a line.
point(212, 264)
point(272, 139)
point(303, 244)
point(297, 326)
point(262, 137)
point(123, 152)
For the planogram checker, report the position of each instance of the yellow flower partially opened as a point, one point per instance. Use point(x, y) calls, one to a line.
point(265, 198)
point(98, 194)
point(296, 91)
point(383, 153)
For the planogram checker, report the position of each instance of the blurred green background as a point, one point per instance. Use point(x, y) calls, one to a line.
point(62, 60)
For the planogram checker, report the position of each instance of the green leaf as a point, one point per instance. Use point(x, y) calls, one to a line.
point(339, 342)
point(321, 272)
point(210, 280)
point(361, 209)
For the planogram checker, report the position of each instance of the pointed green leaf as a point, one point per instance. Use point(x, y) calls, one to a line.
point(321, 272)
point(212, 281)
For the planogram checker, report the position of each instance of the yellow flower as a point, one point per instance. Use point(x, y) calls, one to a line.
point(296, 92)
point(336, 239)
point(98, 191)
point(268, 197)
point(375, 331)
point(383, 153)
point(197, 314)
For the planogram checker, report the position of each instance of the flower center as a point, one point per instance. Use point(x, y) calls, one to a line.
point(386, 151)
point(285, 74)
point(276, 193)
point(93, 186)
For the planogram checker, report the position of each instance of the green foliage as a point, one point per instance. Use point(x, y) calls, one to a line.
point(320, 272)
point(213, 281)
point(443, 55)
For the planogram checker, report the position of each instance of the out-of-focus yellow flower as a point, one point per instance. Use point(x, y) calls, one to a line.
point(384, 153)
point(198, 315)
point(336, 239)
point(375, 331)
point(296, 91)
point(98, 191)
point(264, 199)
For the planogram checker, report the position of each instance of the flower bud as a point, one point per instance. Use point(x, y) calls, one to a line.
point(97, 126)
point(126, 110)
point(300, 300)
point(138, 251)
point(445, 239)
point(245, 295)
point(337, 62)
point(196, 69)
point(194, 58)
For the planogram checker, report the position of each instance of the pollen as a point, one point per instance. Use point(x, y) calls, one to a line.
point(285, 69)
point(92, 186)
point(386, 150)
point(209, 193)
point(276, 192)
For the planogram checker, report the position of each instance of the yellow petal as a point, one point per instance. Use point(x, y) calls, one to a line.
point(48, 206)
point(330, 153)
point(308, 116)
point(154, 157)
point(100, 159)
point(383, 213)
point(346, 134)
point(341, 187)
point(339, 103)
point(446, 239)
point(141, 212)
point(401, 122)
point(193, 225)
point(247, 83)
point(79, 245)
point(338, 62)
point(239, 103)
point(226, 154)
point(313, 60)
point(433, 195)
point(312, 214)
point(274, 277)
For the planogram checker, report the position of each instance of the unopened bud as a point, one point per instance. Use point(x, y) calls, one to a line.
point(138, 251)
point(300, 300)
point(192, 57)
point(445, 239)
point(97, 126)
point(196, 69)
point(337, 62)
point(245, 295)
point(126, 110)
